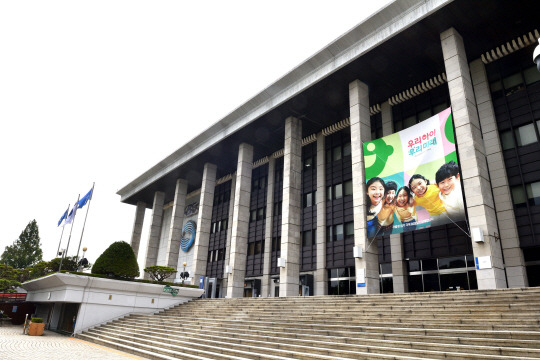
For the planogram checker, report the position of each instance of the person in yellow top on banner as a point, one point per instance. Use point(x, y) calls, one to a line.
point(426, 195)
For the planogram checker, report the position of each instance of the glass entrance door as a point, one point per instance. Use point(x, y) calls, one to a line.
point(454, 281)
point(443, 274)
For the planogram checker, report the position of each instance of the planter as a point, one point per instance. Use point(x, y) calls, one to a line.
point(36, 329)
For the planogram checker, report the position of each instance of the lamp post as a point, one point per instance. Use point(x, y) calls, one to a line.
point(83, 262)
point(184, 274)
point(536, 56)
point(61, 254)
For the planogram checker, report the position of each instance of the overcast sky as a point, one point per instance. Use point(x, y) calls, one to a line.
point(100, 91)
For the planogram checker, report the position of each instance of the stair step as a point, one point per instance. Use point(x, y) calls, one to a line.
point(464, 325)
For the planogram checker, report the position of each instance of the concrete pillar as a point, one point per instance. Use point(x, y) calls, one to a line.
point(368, 265)
point(155, 231)
point(177, 221)
point(291, 242)
point(513, 255)
point(475, 175)
point(204, 222)
point(399, 267)
point(267, 284)
point(321, 274)
point(240, 223)
point(225, 280)
point(137, 227)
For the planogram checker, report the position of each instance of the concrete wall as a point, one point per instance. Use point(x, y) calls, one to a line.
point(103, 300)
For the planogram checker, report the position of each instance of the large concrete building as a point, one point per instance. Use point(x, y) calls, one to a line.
point(270, 200)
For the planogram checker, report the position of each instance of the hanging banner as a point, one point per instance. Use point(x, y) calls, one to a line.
point(413, 178)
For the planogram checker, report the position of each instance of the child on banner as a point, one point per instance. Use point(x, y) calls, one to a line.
point(385, 217)
point(374, 201)
point(451, 195)
point(404, 211)
point(427, 196)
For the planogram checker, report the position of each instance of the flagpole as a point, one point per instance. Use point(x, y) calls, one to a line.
point(70, 230)
point(62, 234)
point(85, 216)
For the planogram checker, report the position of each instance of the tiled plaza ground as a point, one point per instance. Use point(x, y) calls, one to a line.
point(52, 346)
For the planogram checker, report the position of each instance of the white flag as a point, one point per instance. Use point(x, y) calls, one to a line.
point(71, 215)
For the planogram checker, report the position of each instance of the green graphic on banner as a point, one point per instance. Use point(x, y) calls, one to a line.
point(413, 178)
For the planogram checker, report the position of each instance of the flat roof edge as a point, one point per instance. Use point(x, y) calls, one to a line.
point(375, 30)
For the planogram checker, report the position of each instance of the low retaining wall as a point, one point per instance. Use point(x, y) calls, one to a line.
point(103, 300)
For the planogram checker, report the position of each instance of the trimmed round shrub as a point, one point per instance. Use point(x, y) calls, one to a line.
point(118, 262)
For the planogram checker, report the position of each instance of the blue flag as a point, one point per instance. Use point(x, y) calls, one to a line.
point(63, 217)
point(85, 199)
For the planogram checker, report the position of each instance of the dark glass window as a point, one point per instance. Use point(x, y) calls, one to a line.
point(259, 247)
point(309, 163)
point(408, 122)
point(429, 264)
point(308, 199)
point(276, 243)
point(525, 135)
point(533, 193)
point(336, 153)
point(260, 213)
point(507, 140)
point(349, 229)
point(414, 265)
point(415, 283)
point(308, 238)
point(277, 208)
point(386, 268)
point(424, 115)
point(518, 196)
point(431, 282)
point(452, 262)
point(513, 83)
point(339, 232)
point(338, 191)
point(347, 187)
point(347, 149)
point(329, 234)
point(470, 261)
point(531, 75)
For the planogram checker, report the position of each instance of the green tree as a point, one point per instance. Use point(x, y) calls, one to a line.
point(68, 263)
point(8, 279)
point(117, 261)
point(26, 250)
point(8, 286)
point(160, 273)
point(42, 268)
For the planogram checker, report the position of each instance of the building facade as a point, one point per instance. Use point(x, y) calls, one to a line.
point(275, 192)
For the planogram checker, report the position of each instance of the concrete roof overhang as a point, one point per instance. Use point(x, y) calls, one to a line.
point(394, 49)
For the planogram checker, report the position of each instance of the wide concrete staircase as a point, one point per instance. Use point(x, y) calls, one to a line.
point(496, 324)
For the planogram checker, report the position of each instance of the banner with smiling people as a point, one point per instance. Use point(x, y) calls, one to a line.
point(413, 178)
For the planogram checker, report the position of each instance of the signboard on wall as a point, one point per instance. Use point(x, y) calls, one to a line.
point(413, 178)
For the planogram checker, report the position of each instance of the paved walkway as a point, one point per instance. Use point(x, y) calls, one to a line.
point(52, 346)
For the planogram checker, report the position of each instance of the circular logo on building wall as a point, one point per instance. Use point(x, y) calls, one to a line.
point(188, 235)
